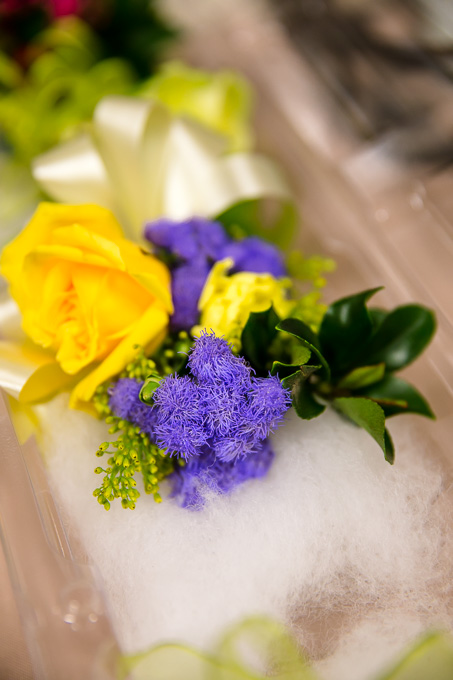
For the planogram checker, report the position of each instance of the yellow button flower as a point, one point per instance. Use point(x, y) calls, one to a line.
point(86, 294)
point(226, 301)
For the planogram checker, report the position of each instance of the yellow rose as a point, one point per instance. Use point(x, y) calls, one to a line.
point(86, 294)
point(226, 301)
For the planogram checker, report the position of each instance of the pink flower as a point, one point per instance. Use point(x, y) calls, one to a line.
point(61, 8)
point(56, 8)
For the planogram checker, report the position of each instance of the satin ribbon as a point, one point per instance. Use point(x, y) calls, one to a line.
point(142, 162)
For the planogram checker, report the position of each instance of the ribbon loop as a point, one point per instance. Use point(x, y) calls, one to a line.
point(143, 162)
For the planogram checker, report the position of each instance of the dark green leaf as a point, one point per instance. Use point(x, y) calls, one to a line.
point(257, 335)
point(397, 396)
point(401, 337)
point(362, 376)
point(377, 315)
point(304, 403)
point(345, 328)
point(389, 448)
point(367, 414)
point(302, 374)
point(307, 337)
point(300, 330)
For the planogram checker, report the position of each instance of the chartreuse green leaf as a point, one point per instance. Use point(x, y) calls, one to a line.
point(401, 337)
point(308, 338)
point(369, 415)
point(397, 396)
point(362, 376)
point(345, 329)
point(257, 335)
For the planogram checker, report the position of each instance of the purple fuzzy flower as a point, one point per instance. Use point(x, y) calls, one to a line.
point(205, 472)
point(255, 255)
point(268, 402)
point(186, 286)
point(221, 406)
point(179, 427)
point(125, 403)
point(218, 419)
point(196, 244)
point(189, 240)
point(212, 361)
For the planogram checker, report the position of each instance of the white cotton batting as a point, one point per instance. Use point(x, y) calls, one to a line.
point(346, 549)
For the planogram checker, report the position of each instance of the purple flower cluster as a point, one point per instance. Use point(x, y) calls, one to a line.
point(217, 419)
point(221, 407)
point(206, 472)
point(125, 403)
point(195, 245)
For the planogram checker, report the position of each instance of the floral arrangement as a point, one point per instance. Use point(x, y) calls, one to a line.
point(156, 300)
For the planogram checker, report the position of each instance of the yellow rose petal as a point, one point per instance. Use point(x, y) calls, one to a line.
point(150, 329)
point(45, 382)
point(89, 244)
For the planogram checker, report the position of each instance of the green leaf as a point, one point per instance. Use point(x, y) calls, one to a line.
point(362, 376)
point(253, 218)
point(389, 448)
point(345, 328)
point(304, 403)
point(369, 415)
point(300, 357)
point(377, 315)
point(302, 374)
point(397, 396)
point(257, 335)
point(307, 337)
point(401, 337)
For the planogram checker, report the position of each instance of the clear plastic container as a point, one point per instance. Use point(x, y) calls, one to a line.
point(385, 223)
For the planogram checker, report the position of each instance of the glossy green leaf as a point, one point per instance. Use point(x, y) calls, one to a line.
point(304, 402)
point(302, 373)
point(345, 328)
point(308, 338)
point(362, 376)
point(300, 357)
point(397, 396)
point(369, 415)
point(377, 315)
point(257, 335)
point(401, 337)
point(300, 330)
